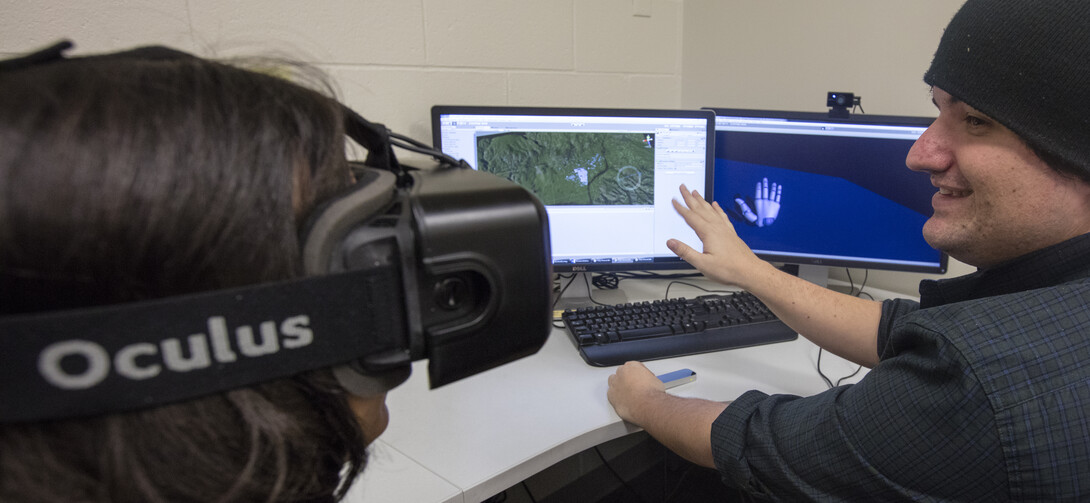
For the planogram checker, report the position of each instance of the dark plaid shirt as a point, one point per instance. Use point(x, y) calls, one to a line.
point(982, 394)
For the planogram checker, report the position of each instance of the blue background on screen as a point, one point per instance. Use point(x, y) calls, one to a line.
point(823, 214)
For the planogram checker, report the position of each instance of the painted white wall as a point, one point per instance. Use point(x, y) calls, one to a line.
point(787, 54)
point(393, 59)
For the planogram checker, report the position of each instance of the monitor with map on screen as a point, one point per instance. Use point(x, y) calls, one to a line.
point(605, 176)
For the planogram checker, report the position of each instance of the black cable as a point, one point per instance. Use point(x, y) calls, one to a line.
point(529, 494)
point(561, 294)
point(620, 479)
point(419, 147)
point(654, 275)
point(853, 293)
point(665, 478)
point(590, 294)
point(409, 140)
point(698, 287)
point(606, 281)
point(828, 381)
point(612, 280)
point(564, 289)
point(849, 376)
point(413, 148)
point(851, 283)
point(668, 497)
point(858, 103)
point(864, 285)
point(570, 281)
point(499, 498)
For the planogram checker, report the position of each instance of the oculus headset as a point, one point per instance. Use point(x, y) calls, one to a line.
point(447, 264)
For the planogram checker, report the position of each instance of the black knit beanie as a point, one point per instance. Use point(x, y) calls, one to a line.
point(1026, 64)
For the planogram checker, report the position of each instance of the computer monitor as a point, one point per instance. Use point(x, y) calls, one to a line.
point(605, 176)
point(809, 190)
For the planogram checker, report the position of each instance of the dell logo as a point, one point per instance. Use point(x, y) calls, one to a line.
point(579, 268)
point(144, 360)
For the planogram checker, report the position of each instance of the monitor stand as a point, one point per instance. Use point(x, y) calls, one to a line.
point(816, 274)
point(581, 290)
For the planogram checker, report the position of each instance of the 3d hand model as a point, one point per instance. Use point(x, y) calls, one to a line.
point(767, 201)
point(746, 211)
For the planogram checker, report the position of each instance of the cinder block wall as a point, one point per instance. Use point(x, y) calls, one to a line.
point(393, 59)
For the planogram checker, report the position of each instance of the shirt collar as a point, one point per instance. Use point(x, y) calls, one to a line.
point(1056, 264)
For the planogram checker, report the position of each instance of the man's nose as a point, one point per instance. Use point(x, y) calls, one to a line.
point(930, 153)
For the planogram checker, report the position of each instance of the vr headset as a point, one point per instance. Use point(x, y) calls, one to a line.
point(446, 264)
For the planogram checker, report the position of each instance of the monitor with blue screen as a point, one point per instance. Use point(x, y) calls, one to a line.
point(806, 189)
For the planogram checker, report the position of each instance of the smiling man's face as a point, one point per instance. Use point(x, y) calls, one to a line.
point(996, 198)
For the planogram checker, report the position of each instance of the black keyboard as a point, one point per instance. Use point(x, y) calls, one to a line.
point(612, 335)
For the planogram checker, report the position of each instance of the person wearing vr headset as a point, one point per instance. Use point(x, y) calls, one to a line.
point(202, 299)
point(979, 391)
point(150, 175)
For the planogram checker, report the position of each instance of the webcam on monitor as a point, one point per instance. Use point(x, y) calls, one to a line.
point(839, 102)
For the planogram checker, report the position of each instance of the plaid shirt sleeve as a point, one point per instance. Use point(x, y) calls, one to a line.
point(918, 427)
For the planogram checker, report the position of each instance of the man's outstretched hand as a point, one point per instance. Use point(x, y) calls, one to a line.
point(725, 257)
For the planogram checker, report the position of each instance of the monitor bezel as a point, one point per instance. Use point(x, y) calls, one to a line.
point(657, 263)
point(858, 119)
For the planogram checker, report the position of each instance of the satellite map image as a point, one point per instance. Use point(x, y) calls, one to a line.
point(574, 168)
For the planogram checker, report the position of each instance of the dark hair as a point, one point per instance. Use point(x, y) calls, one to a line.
point(1061, 165)
point(124, 179)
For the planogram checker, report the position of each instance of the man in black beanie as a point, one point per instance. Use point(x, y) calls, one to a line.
point(979, 391)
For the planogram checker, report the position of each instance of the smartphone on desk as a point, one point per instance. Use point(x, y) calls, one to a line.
point(677, 378)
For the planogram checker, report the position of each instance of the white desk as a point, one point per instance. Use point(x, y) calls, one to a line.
point(474, 438)
point(391, 476)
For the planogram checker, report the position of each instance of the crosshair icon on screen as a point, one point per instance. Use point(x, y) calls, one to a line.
point(629, 178)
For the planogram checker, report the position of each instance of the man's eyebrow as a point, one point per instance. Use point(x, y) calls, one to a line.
point(950, 100)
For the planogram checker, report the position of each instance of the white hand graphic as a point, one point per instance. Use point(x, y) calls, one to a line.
point(767, 200)
point(746, 211)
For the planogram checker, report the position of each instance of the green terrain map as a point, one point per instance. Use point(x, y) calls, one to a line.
point(574, 168)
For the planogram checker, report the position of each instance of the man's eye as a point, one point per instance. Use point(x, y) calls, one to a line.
point(973, 120)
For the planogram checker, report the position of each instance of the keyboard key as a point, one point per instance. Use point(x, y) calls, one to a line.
point(640, 333)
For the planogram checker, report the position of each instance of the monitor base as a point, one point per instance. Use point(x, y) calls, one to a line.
point(581, 293)
point(816, 274)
